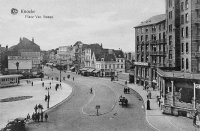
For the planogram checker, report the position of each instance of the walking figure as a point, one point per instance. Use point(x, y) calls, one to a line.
point(46, 116)
point(42, 84)
point(91, 91)
point(73, 78)
point(45, 98)
point(41, 116)
point(36, 107)
point(32, 83)
point(28, 116)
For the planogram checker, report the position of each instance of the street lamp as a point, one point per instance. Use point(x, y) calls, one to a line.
point(60, 70)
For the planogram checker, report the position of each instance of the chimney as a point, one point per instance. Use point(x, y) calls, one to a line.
point(33, 39)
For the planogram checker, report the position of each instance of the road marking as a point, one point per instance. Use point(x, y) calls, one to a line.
point(87, 104)
point(150, 123)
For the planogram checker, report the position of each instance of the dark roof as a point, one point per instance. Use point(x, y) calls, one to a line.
point(119, 53)
point(25, 45)
point(153, 20)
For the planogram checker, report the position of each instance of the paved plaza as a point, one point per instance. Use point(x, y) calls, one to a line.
point(14, 109)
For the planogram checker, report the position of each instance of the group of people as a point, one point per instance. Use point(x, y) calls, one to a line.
point(126, 90)
point(37, 116)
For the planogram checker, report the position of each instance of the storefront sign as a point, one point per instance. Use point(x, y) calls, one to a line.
point(141, 63)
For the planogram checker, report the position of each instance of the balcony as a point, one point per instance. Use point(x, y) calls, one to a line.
point(170, 47)
point(162, 41)
point(157, 64)
point(157, 53)
point(153, 42)
point(197, 20)
point(196, 37)
point(197, 6)
point(197, 54)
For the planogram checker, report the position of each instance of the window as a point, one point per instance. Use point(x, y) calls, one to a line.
point(170, 54)
point(187, 48)
point(138, 39)
point(187, 64)
point(159, 27)
point(153, 28)
point(109, 66)
point(147, 58)
point(182, 47)
point(146, 29)
point(142, 58)
point(186, 31)
point(122, 66)
point(159, 36)
point(170, 15)
point(170, 28)
point(113, 66)
point(105, 66)
point(146, 37)
point(182, 32)
point(164, 26)
point(170, 40)
point(182, 63)
point(147, 47)
point(142, 38)
point(182, 19)
point(170, 3)
point(186, 4)
point(142, 30)
point(182, 6)
point(186, 18)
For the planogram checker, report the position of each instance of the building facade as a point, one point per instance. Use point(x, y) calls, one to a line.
point(179, 83)
point(150, 50)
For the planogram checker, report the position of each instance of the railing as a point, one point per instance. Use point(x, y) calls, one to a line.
point(197, 20)
point(197, 54)
point(157, 53)
point(197, 6)
point(163, 41)
point(157, 64)
point(153, 42)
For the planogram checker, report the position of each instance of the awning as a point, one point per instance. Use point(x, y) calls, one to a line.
point(83, 69)
point(90, 70)
point(96, 71)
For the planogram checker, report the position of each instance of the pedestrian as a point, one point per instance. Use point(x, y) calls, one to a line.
point(45, 98)
point(38, 116)
point(42, 84)
point(27, 81)
point(73, 78)
point(28, 117)
point(46, 116)
point(195, 118)
point(41, 116)
point(60, 85)
point(51, 78)
point(148, 104)
point(50, 83)
point(36, 107)
point(32, 83)
point(33, 116)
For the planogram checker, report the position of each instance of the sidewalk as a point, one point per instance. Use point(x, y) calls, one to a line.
point(156, 118)
point(36, 93)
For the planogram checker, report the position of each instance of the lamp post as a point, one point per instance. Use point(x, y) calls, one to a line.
point(60, 70)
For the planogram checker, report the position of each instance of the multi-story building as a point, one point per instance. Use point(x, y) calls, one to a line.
point(179, 85)
point(27, 49)
point(150, 49)
point(3, 59)
point(66, 56)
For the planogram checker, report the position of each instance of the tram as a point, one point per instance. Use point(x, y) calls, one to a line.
point(9, 80)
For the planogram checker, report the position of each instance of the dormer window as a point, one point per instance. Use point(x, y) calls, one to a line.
point(102, 59)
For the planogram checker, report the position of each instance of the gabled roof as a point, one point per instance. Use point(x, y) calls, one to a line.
point(119, 53)
point(153, 20)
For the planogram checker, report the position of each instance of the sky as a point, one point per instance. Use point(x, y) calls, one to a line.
point(110, 22)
